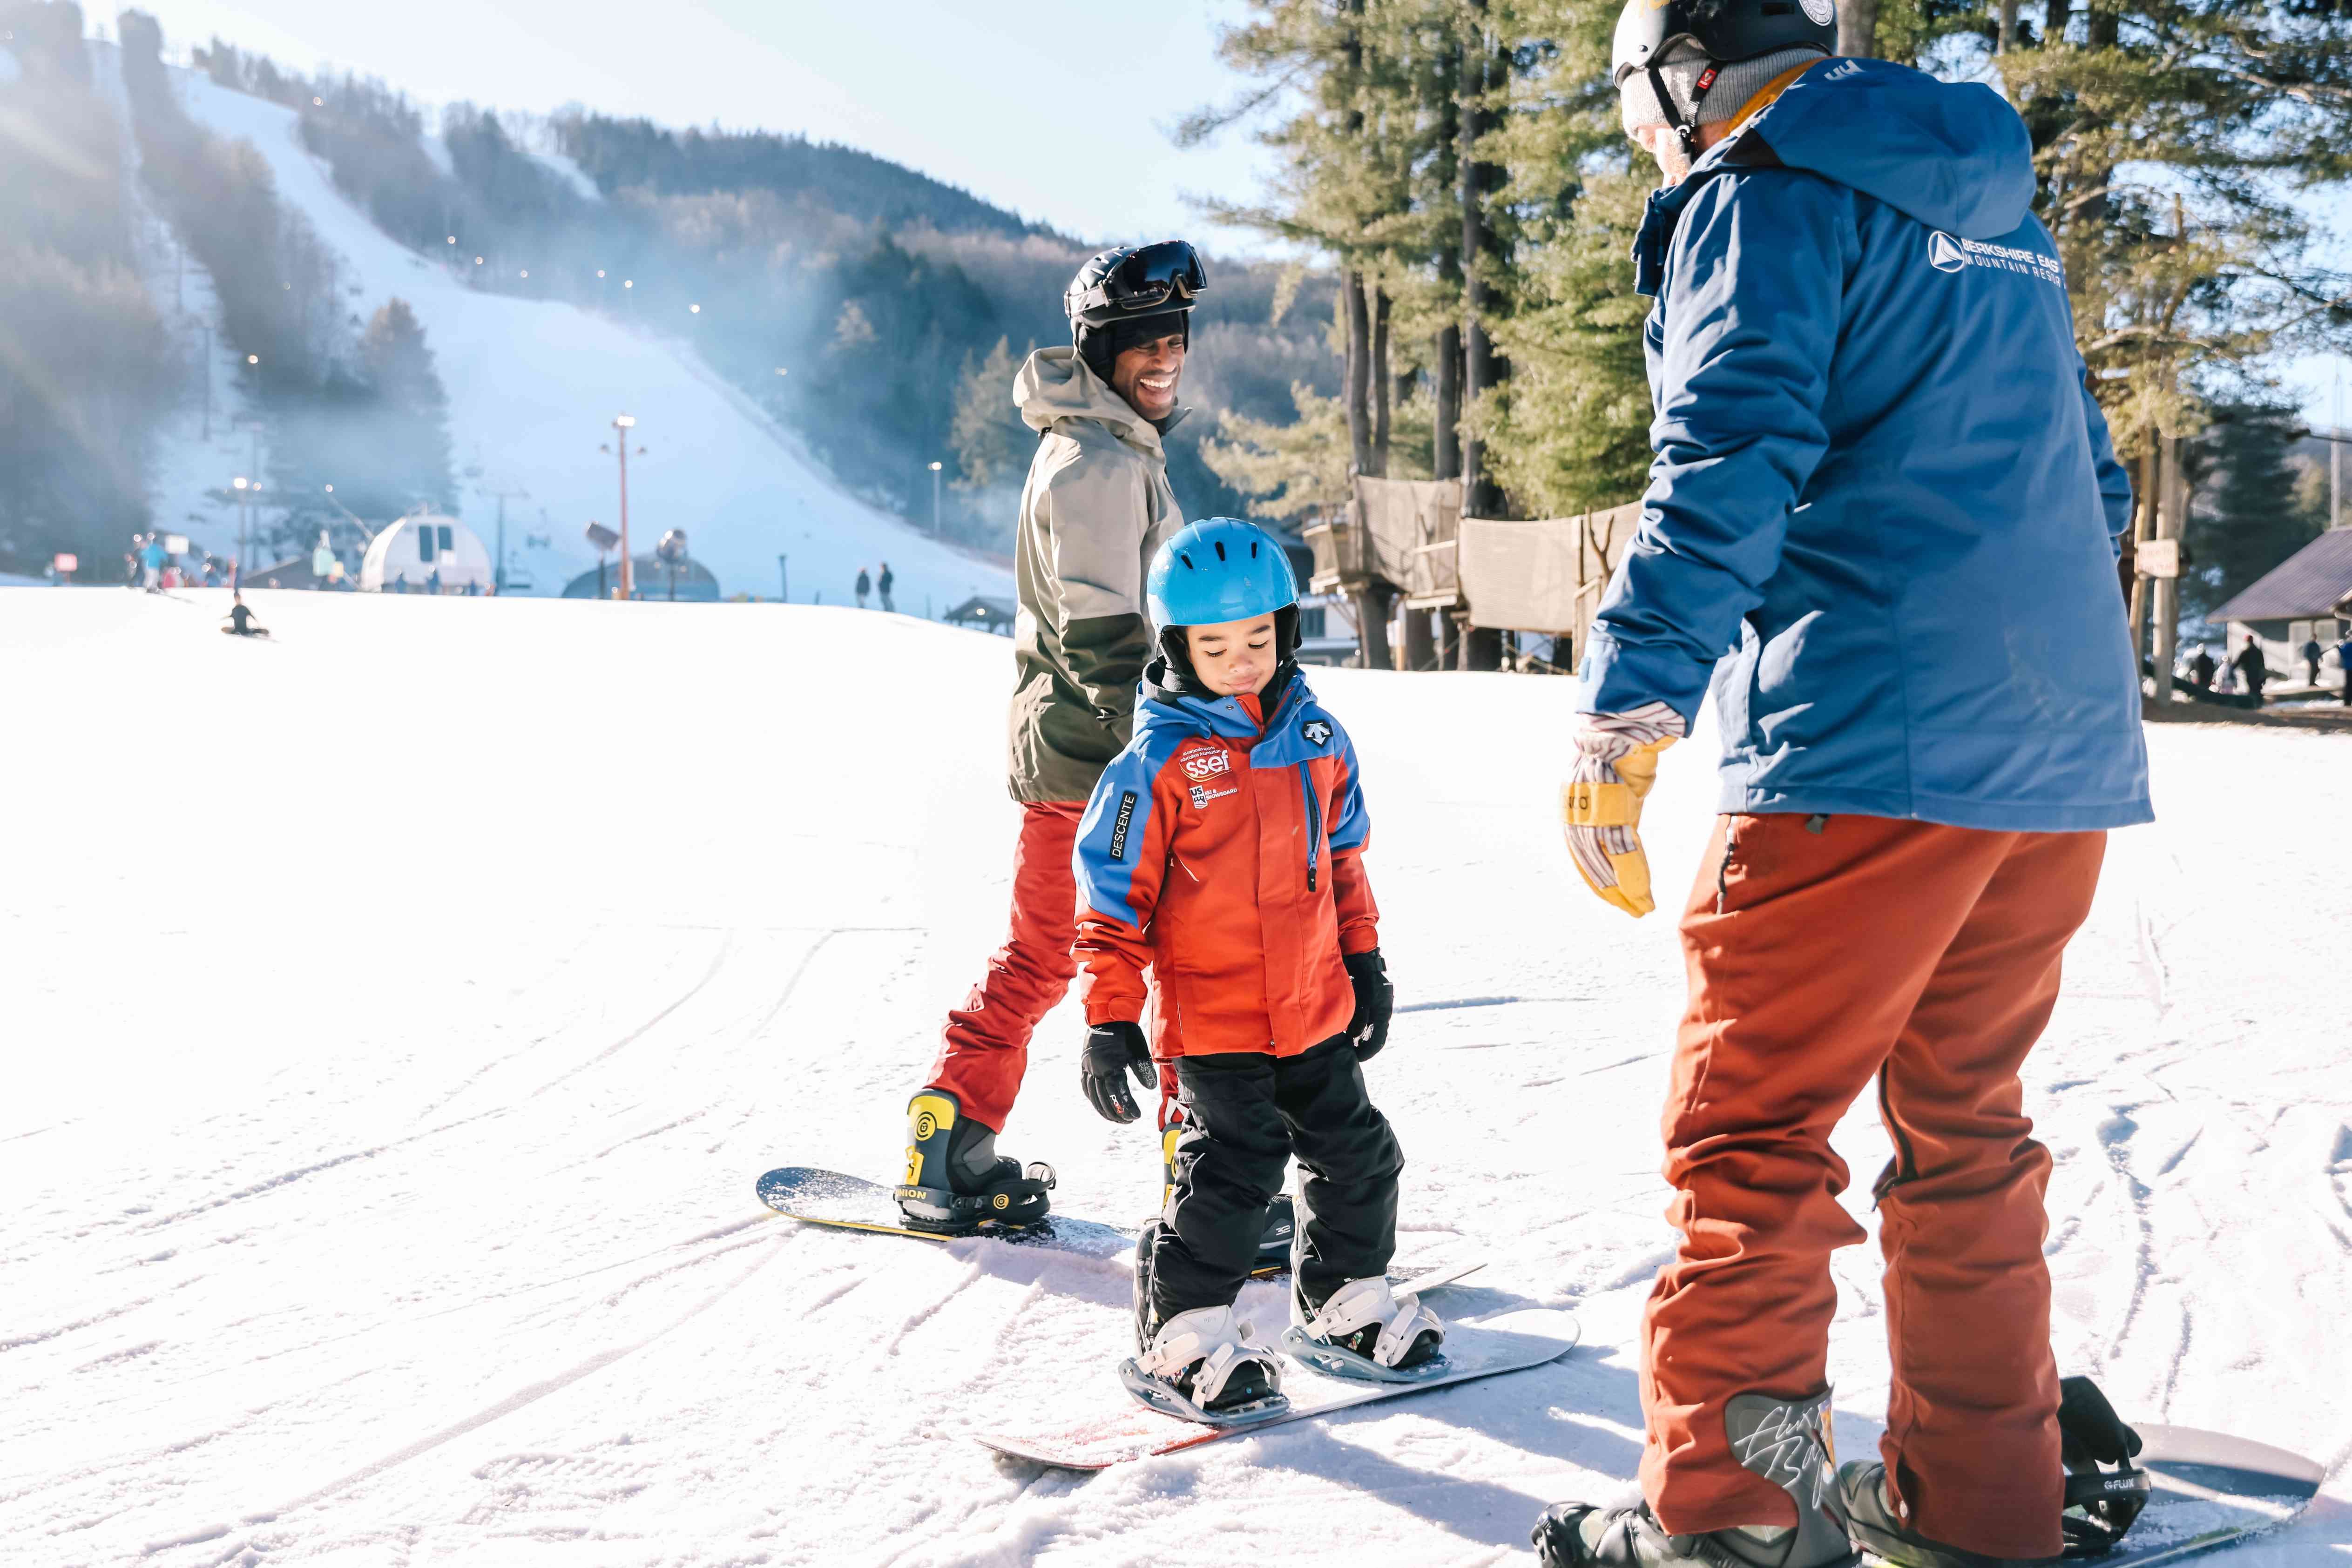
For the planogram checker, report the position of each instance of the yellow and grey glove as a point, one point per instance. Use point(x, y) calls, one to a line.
point(1615, 762)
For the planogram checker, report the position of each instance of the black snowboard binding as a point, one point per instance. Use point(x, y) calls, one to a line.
point(956, 1182)
point(1783, 1441)
point(2100, 1505)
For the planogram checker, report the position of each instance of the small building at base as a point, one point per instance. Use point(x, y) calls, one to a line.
point(688, 582)
point(2305, 598)
point(984, 612)
point(414, 549)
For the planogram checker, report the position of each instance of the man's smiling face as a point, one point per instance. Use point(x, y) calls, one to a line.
point(1146, 374)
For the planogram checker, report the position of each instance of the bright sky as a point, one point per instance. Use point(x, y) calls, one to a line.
point(1057, 108)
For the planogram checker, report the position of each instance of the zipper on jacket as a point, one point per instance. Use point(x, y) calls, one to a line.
point(1314, 821)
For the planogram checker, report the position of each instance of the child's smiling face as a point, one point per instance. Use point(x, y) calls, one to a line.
point(1233, 657)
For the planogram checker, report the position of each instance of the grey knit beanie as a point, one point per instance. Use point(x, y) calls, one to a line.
point(1733, 85)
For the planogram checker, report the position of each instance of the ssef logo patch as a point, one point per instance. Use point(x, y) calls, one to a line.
point(1943, 252)
point(1119, 825)
point(1208, 764)
point(1317, 731)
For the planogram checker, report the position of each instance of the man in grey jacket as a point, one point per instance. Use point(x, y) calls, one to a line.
point(1095, 507)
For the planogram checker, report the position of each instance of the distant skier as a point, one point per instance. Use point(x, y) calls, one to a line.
point(864, 587)
point(1095, 506)
point(2312, 654)
point(884, 584)
point(241, 622)
point(2251, 668)
point(2202, 667)
point(1269, 968)
point(323, 565)
point(2344, 662)
point(1908, 844)
point(151, 557)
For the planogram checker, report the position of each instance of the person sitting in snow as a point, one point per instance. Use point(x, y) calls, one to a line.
point(1179, 870)
point(241, 622)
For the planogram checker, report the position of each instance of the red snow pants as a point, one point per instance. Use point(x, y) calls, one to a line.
point(1925, 956)
point(984, 1049)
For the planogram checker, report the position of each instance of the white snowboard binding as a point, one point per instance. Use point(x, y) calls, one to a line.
point(1204, 1365)
point(1366, 1331)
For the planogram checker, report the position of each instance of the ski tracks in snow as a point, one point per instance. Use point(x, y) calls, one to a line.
point(441, 1248)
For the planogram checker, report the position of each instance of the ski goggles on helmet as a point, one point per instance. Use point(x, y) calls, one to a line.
point(1147, 278)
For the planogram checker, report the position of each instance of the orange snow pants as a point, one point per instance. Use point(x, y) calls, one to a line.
point(984, 1049)
point(1824, 952)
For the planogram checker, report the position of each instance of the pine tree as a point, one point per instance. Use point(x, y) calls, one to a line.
point(991, 443)
point(2251, 513)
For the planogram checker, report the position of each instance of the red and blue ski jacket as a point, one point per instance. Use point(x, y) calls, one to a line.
point(1222, 851)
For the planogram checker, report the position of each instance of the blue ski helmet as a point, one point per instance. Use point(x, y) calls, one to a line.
point(1219, 570)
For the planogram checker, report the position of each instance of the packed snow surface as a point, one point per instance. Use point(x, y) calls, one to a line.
point(533, 386)
point(395, 1032)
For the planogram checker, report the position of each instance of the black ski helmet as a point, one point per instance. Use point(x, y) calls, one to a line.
point(1724, 31)
point(1127, 283)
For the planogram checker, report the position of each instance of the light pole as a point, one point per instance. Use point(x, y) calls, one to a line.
point(935, 500)
point(503, 488)
point(621, 424)
point(783, 578)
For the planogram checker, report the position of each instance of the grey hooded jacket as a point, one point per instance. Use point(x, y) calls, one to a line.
point(1095, 507)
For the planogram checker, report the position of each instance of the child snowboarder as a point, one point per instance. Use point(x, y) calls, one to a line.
point(1223, 849)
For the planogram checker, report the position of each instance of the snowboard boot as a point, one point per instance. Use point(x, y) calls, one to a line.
point(956, 1182)
point(1786, 1442)
point(1883, 1530)
point(1364, 1318)
point(1212, 1360)
point(1273, 1242)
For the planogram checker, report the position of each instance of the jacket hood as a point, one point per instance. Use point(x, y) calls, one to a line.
point(1953, 156)
point(1055, 384)
point(1172, 701)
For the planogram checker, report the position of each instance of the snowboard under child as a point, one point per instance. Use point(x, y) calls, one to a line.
point(1222, 850)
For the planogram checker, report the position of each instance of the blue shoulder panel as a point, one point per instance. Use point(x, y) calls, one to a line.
point(1116, 826)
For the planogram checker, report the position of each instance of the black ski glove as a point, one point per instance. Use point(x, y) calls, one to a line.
point(1113, 1050)
point(1375, 999)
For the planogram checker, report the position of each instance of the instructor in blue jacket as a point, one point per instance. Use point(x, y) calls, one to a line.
point(1881, 527)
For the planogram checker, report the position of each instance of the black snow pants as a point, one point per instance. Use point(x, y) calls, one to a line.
point(1245, 1115)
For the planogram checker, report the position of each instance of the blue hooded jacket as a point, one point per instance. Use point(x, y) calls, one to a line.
point(1882, 487)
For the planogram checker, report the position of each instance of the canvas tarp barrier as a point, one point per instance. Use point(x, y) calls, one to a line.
point(1412, 524)
point(1397, 531)
point(1542, 576)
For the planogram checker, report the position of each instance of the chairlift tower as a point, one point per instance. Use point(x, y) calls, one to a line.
point(501, 490)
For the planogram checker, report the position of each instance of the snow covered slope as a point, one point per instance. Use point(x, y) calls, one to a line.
point(533, 386)
point(379, 1184)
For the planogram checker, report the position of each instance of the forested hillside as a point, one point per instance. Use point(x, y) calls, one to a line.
point(876, 312)
point(85, 363)
point(870, 307)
